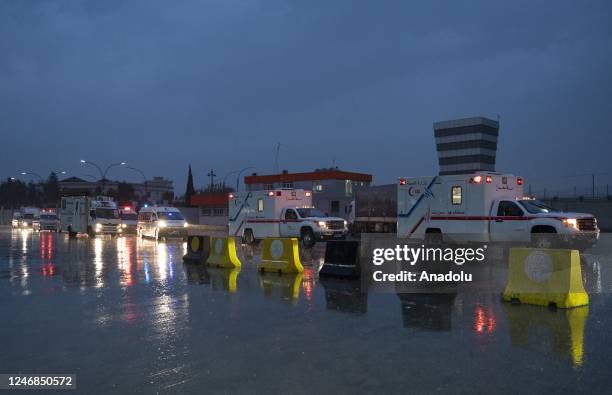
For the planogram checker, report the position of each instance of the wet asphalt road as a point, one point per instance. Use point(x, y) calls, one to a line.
point(127, 316)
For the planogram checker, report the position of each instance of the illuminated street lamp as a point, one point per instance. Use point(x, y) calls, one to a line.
point(102, 173)
point(85, 162)
point(23, 173)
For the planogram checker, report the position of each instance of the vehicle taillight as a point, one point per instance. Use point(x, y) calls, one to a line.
point(519, 181)
point(402, 181)
point(489, 179)
point(231, 196)
point(270, 193)
point(476, 179)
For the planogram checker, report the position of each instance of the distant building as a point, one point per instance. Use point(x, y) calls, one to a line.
point(466, 145)
point(154, 192)
point(332, 189)
point(213, 207)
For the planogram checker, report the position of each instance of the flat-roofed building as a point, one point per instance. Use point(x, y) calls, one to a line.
point(466, 145)
point(332, 189)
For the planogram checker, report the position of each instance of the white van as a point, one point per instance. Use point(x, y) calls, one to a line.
point(161, 221)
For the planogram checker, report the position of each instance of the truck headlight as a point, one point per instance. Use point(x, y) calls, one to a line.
point(570, 223)
point(162, 224)
point(185, 225)
point(345, 223)
point(123, 226)
point(322, 224)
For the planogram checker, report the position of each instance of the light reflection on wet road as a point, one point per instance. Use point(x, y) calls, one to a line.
point(127, 315)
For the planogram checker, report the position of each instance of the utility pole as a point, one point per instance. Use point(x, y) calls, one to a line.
point(593, 185)
point(212, 176)
point(276, 158)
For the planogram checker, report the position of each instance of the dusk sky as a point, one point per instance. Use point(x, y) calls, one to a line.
point(357, 84)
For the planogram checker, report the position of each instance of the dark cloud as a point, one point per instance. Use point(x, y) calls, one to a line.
point(355, 83)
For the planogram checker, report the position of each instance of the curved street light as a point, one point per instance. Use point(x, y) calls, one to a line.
point(144, 178)
point(86, 162)
point(239, 174)
point(227, 175)
point(23, 173)
point(110, 167)
point(102, 173)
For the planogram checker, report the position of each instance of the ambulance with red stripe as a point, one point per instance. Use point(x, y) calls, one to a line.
point(255, 215)
point(486, 207)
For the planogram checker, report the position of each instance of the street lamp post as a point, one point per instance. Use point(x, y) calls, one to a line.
point(144, 178)
point(23, 173)
point(239, 174)
point(227, 175)
point(102, 173)
point(111, 166)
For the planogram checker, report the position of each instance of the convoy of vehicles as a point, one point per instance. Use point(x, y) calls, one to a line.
point(485, 207)
point(91, 216)
point(47, 220)
point(256, 215)
point(161, 222)
point(478, 207)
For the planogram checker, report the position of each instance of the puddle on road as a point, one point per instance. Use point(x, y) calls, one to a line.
point(133, 304)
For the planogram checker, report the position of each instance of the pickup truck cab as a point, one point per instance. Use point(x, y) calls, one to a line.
point(486, 207)
point(531, 221)
point(285, 212)
point(310, 224)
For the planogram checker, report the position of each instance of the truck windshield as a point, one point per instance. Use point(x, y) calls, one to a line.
point(128, 216)
point(535, 206)
point(107, 213)
point(310, 212)
point(170, 216)
point(28, 216)
point(48, 217)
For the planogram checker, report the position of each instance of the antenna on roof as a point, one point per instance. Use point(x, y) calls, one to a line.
point(276, 158)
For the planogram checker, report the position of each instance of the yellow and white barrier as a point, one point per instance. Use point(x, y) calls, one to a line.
point(223, 253)
point(545, 277)
point(198, 249)
point(280, 255)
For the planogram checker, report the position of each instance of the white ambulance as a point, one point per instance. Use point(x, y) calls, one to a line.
point(83, 214)
point(161, 222)
point(485, 207)
point(256, 215)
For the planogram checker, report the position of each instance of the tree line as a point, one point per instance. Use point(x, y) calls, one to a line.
point(16, 193)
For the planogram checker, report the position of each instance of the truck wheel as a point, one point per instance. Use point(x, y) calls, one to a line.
point(249, 238)
point(308, 238)
point(433, 236)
